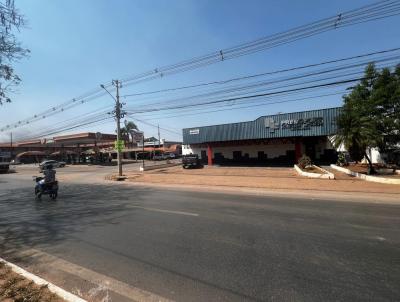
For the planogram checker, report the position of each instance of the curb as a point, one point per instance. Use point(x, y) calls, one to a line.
point(327, 175)
point(155, 167)
point(367, 177)
point(67, 296)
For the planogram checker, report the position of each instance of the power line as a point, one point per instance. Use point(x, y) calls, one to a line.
point(276, 81)
point(256, 95)
point(367, 13)
point(263, 74)
point(342, 81)
point(156, 126)
point(100, 112)
point(301, 32)
point(249, 106)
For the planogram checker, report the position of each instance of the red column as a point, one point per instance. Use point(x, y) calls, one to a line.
point(209, 155)
point(298, 149)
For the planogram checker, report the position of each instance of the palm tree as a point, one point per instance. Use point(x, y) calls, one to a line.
point(128, 127)
point(354, 134)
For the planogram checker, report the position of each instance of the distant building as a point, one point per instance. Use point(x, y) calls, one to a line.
point(153, 142)
point(71, 147)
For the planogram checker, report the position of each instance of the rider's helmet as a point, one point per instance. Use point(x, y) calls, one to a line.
point(49, 167)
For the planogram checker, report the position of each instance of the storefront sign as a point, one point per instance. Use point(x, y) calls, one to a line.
point(302, 124)
point(137, 136)
point(271, 124)
point(294, 124)
point(194, 131)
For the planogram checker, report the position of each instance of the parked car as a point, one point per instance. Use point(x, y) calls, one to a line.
point(169, 155)
point(54, 163)
point(191, 160)
point(15, 162)
point(158, 157)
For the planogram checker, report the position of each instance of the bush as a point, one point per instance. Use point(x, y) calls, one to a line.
point(341, 161)
point(304, 162)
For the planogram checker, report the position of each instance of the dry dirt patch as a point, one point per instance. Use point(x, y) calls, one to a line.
point(257, 178)
point(14, 287)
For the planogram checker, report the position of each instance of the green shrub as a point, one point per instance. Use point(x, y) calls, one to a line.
point(304, 161)
point(341, 161)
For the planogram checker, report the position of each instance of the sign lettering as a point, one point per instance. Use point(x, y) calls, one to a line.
point(294, 124)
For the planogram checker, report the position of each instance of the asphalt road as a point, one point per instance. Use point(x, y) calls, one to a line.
point(198, 246)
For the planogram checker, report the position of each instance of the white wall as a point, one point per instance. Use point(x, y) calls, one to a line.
point(373, 153)
point(187, 149)
point(375, 156)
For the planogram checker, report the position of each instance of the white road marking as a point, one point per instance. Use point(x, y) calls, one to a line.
point(166, 211)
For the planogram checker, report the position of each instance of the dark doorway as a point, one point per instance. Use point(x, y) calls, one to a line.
point(309, 145)
point(237, 156)
point(204, 157)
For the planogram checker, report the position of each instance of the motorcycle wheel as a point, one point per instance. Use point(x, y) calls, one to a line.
point(53, 195)
point(38, 194)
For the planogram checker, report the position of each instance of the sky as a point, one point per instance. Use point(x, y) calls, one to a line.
point(77, 45)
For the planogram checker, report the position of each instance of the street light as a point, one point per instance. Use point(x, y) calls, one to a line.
point(116, 83)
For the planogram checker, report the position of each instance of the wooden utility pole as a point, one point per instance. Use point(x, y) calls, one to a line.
point(118, 118)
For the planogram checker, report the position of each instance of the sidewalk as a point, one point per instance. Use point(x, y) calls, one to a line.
point(265, 179)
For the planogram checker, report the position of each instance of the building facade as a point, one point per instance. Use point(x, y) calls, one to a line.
point(279, 139)
point(70, 148)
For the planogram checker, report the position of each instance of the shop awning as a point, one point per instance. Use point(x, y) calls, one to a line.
point(31, 153)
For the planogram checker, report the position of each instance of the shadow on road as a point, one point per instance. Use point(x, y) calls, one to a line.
point(25, 221)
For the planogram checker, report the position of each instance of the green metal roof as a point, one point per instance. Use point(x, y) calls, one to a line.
point(320, 122)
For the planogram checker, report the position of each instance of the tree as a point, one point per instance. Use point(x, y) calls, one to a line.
point(128, 127)
point(370, 117)
point(10, 48)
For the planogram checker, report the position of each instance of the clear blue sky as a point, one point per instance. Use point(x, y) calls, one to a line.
point(76, 45)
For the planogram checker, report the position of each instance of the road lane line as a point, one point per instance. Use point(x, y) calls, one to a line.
point(166, 211)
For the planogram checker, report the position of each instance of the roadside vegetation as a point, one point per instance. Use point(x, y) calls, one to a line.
point(15, 288)
point(305, 163)
point(371, 115)
point(11, 51)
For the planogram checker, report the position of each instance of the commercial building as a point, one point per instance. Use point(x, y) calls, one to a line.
point(155, 143)
point(71, 148)
point(278, 139)
point(81, 147)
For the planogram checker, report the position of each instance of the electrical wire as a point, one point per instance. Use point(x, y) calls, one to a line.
point(367, 13)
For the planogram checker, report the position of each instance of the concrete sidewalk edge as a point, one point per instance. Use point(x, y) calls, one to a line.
point(67, 296)
point(343, 196)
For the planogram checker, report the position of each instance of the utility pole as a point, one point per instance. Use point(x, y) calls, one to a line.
point(116, 83)
point(118, 116)
point(143, 151)
point(159, 143)
point(11, 146)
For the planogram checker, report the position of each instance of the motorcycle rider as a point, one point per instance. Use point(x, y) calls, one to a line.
point(49, 176)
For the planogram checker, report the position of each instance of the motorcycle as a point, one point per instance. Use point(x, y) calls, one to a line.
point(50, 189)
